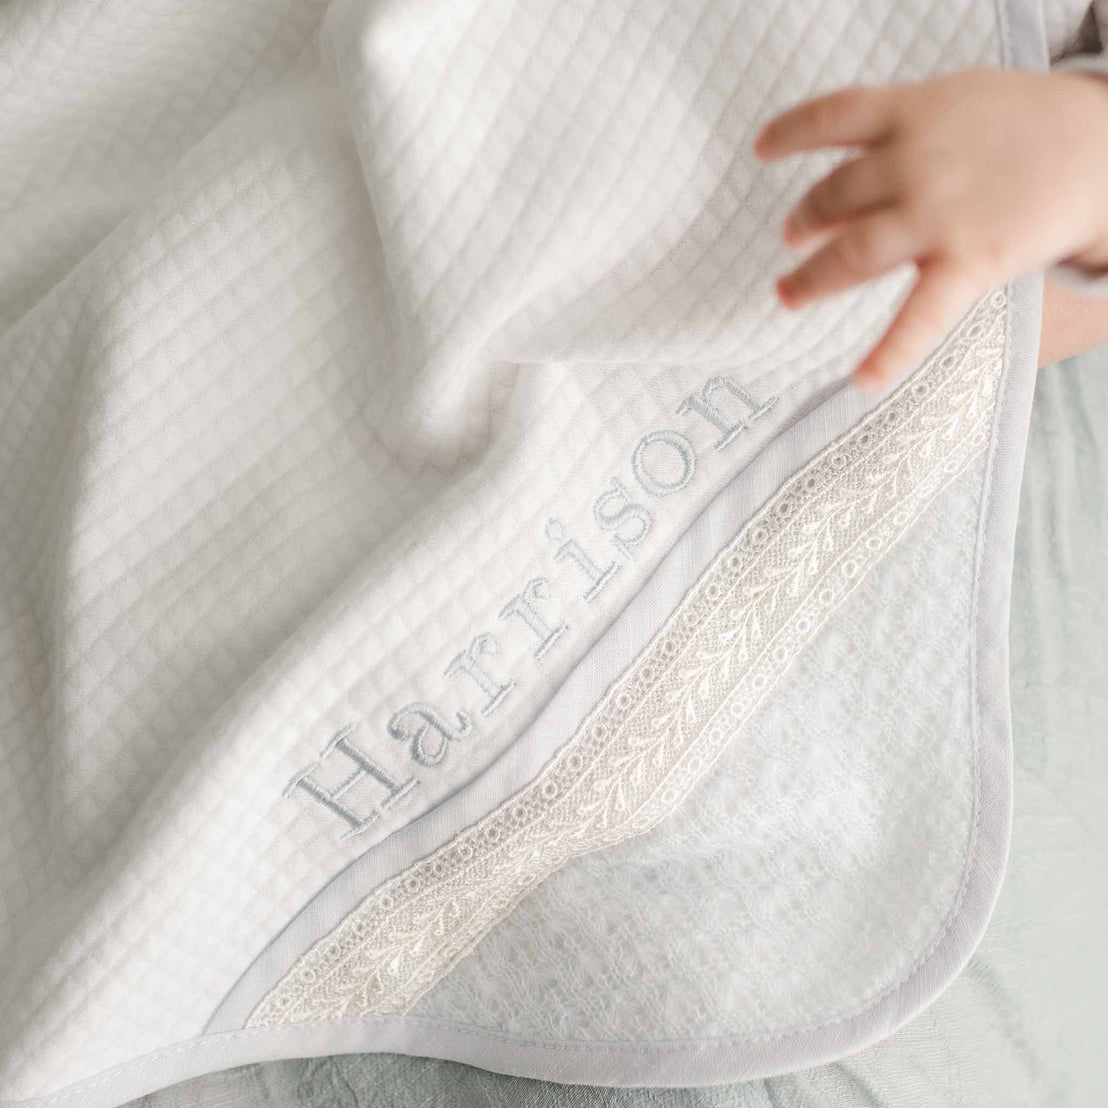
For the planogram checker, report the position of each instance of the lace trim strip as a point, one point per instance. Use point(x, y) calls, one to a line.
point(662, 725)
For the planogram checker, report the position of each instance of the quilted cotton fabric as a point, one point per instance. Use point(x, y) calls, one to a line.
point(314, 336)
point(706, 890)
point(1020, 1026)
point(691, 690)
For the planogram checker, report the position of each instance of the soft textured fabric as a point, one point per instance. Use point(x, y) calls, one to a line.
point(1020, 1027)
point(617, 923)
point(412, 488)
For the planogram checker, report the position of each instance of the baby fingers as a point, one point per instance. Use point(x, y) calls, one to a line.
point(854, 187)
point(850, 117)
point(941, 296)
point(866, 248)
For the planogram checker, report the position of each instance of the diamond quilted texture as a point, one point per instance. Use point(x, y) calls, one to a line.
point(705, 889)
point(311, 319)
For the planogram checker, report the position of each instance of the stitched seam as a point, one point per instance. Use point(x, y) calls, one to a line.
point(311, 981)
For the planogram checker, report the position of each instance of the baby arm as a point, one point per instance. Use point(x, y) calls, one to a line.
point(1071, 323)
point(977, 177)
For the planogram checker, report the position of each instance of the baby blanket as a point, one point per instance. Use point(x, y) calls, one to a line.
point(448, 606)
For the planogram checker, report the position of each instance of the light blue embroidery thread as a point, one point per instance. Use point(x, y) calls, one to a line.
point(702, 406)
point(571, 548)
point(538, 588)
point(365, 767)
point(628, 525)
point(685, 452)
point(468, 663)
point(628, 512)
point(432, 718)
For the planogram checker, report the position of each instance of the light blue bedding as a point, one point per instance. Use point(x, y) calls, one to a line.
point(1022, 1026)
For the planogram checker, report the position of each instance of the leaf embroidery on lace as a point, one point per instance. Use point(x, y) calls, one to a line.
point(661, 726)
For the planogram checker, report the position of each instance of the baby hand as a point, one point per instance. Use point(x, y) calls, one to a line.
point(977, 178)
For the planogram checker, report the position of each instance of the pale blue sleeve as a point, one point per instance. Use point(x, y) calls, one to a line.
point(1067, 274)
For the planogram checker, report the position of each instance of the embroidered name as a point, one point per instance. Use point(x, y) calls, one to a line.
point(663, 463)
point(364, 766)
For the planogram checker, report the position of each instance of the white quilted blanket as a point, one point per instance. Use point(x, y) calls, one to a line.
point(414, 499)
